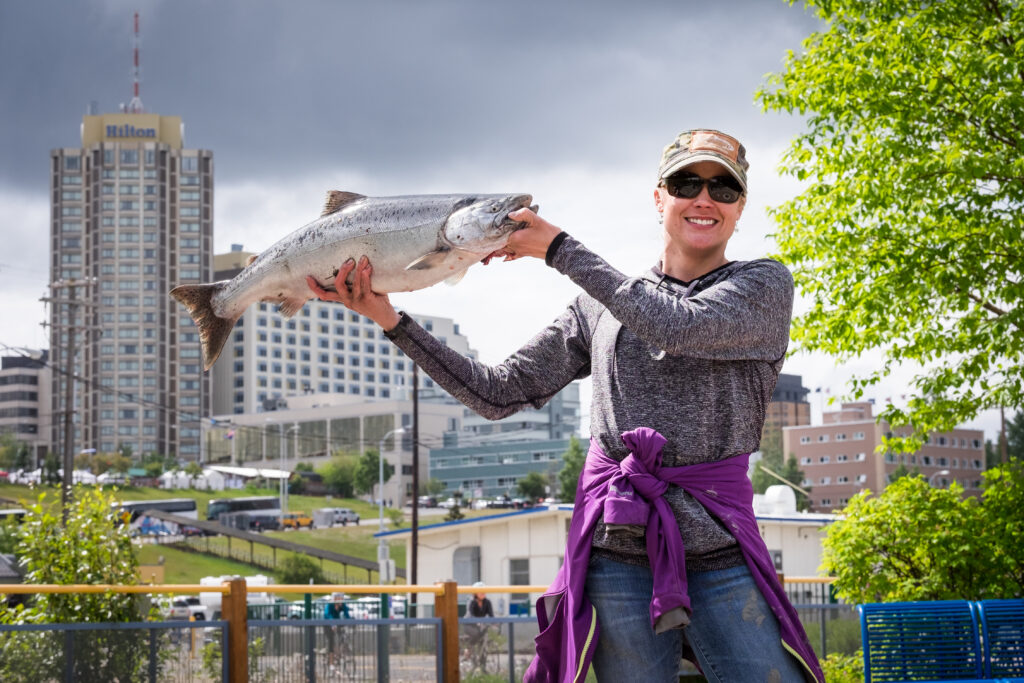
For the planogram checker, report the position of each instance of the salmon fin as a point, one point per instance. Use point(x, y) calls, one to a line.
point(213, 331)
point(456, 279)
point(337, 200)
point(289, 307)
point(428, 261)
point(248, 261)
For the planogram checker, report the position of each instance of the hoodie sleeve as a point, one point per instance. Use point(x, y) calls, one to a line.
point(553, 358)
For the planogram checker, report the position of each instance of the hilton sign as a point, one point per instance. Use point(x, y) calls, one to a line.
point(130, 132)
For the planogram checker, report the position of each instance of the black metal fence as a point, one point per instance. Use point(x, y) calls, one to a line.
point(164, 652)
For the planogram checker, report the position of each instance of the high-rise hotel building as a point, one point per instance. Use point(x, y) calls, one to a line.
point(132, 217)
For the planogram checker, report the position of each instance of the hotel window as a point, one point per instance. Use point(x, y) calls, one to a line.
point(823, 459)
point(841, 437)
point(842, 458)
point(806, 460)
point(72, 163)
point(825, 481)
point(823, 438)
point(861, 456)
point(805, 439)
point(858, 436)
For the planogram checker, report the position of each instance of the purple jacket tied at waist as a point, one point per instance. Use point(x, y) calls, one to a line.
point(630, 493)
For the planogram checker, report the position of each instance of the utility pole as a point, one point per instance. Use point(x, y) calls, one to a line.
point(68, 370)
point(415, 482)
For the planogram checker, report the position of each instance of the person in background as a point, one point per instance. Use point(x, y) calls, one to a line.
point(480, 606)
point(336, 608)
point(664, 557)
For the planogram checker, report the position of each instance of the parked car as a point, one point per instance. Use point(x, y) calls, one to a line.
point(325, 517)
point(296, 520)
point(428, 502)
point(183, 607)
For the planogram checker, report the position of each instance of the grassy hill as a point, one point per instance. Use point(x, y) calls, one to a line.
point(182, 566)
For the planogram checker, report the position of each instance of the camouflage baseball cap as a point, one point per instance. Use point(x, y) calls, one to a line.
point(692, 146)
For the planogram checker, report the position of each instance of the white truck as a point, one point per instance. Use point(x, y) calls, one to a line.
point(252, 583)
point(328, 517)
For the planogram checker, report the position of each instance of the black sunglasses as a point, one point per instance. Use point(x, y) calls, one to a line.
point(721, 188)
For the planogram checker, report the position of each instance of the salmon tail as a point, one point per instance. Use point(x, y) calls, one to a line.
point(213, 331)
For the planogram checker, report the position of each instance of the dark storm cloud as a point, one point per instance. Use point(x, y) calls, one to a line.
point(402, 88)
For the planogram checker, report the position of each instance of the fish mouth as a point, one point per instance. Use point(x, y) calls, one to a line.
point(514, 203)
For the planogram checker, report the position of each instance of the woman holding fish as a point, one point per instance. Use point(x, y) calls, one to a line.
point(664, 558)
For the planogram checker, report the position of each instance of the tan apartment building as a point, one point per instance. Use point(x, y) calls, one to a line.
point(131, 217)
point(839, 457)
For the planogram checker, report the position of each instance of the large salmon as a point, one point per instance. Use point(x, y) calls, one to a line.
point(412, 241)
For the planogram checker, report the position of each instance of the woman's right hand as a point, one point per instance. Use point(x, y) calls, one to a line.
point(358, 297)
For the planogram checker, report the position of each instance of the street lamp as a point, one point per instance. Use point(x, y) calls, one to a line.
point(383, 557)
point(380, 476)
point(283, 483)
point(940, 473)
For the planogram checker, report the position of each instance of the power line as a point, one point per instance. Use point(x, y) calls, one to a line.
point(185, 417)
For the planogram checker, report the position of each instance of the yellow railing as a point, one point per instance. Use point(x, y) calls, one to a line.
point(234, 604)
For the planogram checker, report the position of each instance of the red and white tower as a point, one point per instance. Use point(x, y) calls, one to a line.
point(135, 106)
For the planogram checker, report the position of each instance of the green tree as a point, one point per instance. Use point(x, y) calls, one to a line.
point(51, 463)
point(193, 470)
point(1015, 437)
point(91, 547)
point(300, 569)
point(367, 472)
point(902, 471)
point(432, 487)
point(339, 474)
point(916, 542)
point(533, 486)
point(14, 454)
point(569, 475)
point(909, 237)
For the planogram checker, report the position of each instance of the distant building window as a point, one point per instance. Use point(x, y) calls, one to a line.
point(823, 438)
point(858, 436)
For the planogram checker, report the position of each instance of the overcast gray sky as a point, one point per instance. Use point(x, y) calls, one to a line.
point(570, 101)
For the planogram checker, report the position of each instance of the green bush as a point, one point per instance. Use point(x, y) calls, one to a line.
point(915, 542)
point(91, 547)
point(840, 668)
point(300, 569)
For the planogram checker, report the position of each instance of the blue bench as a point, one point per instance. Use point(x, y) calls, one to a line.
point(952, 641)
point(1002, 636)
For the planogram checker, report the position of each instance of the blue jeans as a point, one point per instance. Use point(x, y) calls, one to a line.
point(732, 632)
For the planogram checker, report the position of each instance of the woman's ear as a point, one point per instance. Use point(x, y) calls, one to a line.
point(659, 202)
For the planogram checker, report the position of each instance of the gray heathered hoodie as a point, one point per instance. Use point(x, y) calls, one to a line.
point(696, 361)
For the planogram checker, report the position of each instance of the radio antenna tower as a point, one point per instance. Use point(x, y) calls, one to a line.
point(135, 106)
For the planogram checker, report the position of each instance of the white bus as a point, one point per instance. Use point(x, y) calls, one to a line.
point(269, 506)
